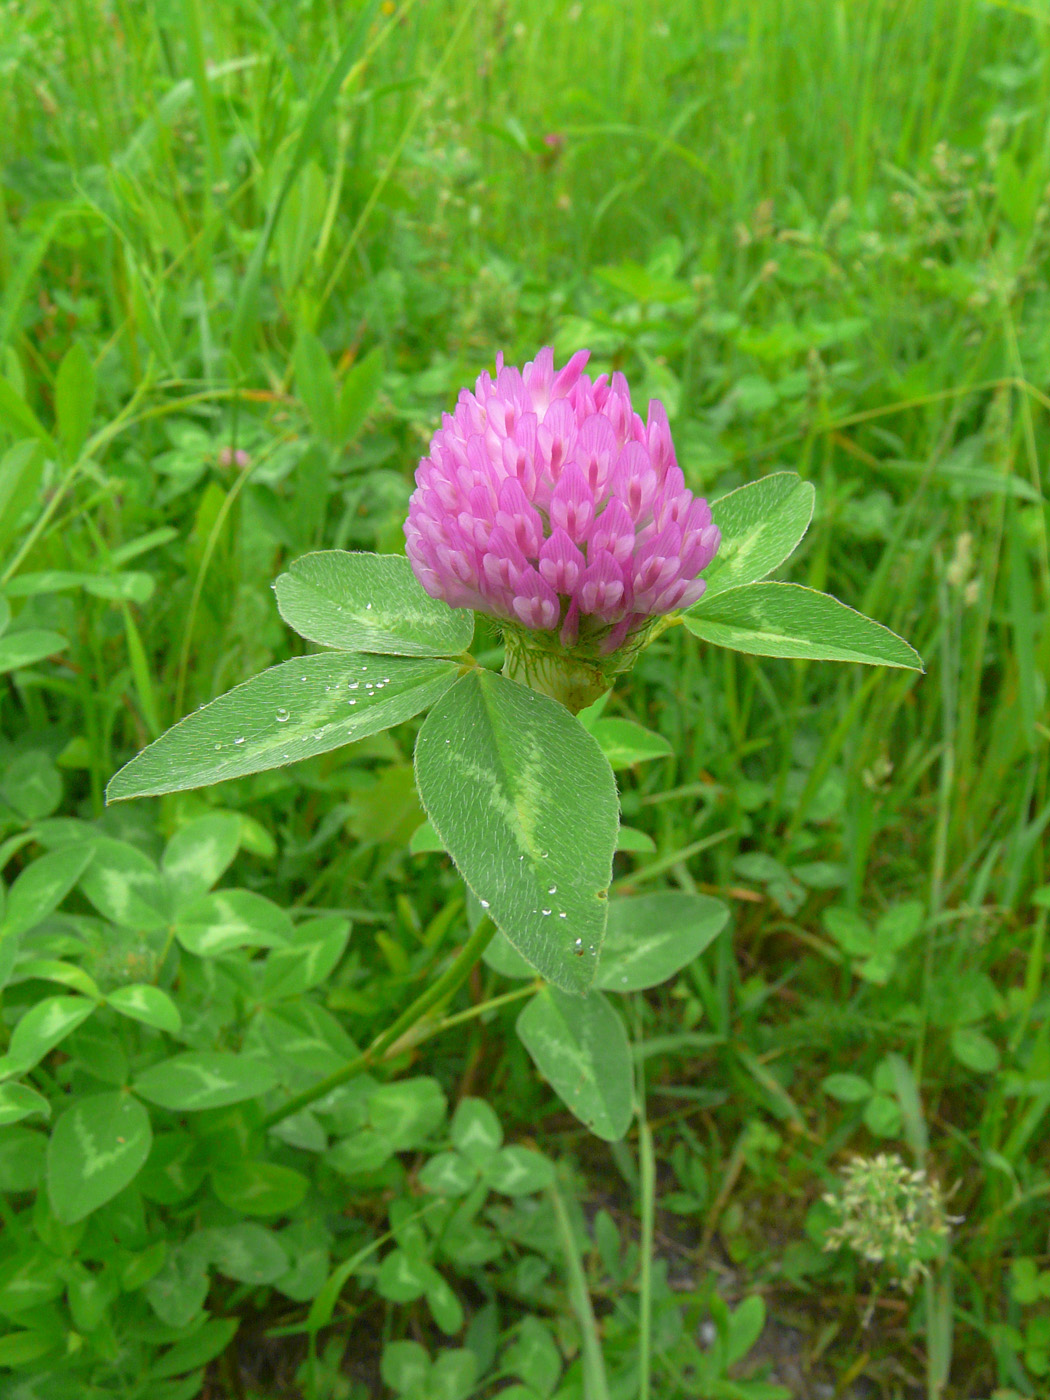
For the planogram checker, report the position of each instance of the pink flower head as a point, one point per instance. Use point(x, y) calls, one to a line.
point(547, 502)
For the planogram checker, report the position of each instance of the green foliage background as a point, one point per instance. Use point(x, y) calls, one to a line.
point(249, 252)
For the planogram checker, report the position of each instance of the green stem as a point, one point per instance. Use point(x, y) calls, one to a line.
point(446, 985)
point(647, 1163)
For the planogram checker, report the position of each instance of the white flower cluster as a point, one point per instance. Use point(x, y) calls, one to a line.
point(889, 1215)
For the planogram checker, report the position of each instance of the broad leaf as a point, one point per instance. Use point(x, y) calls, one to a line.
point(788, 620)
point(75, 389)
point(227, 919)
point(18, 1101)
point(41, 1029)
point(205, 1079)
point(653, 935)
point(97, 1147)
point(295, 710)
point(196, 1350)
point(125, 886)
point(198, 854)
point(369, 602)
point(308, 960)
point(524, 801)
point(762, 524)
point(41, 888)
point(259, 1188)
point(625, 743)
point(18, 649)
point(581, 1049)
point(246, 1252)
point(148, 1004)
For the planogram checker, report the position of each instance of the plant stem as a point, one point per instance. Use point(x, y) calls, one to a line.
point(446, 985)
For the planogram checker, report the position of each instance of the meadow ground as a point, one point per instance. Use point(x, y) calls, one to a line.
point(818, 231)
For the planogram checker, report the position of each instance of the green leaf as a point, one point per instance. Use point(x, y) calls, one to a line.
point(41, 1029)
point(745, 1327)
point(22, 1348)
point(625, 743)
point(205, 1079)
point(448, 1174)
point(581, 1049)
point(407, 1112)
point(147, 1004)
point(476, 1131)
point(636, 842)
point(21, 471)
point(246, 1252)
point(19, 417)
point(358, 394)
point(227, 919)
point(525, 803)
point(125, 886)
point(18, 649)
point(315, 950)
point(176, 1293)
point(41, 888)
point(847, 1088)
point(18, 1101)
point(259, 1188)
point(75, 389)
point(21, 1159)
point(900, 925)
point(293, 711)
point(207, 1342)
point(503, 958)
point(762, 524)
point(97, 1147)
point(849, 931)
point(788, 620)
point(197, 855)
point(975, 1050)
point(882, 1116)
point(518, 1171)
point(651, 936)
point(315, 384)
point(369, 602)
point(405, 1366)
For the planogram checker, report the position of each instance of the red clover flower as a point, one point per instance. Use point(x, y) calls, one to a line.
point(547, 503)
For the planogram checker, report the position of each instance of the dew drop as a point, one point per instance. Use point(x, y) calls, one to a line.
point(544, 855)
point(218, 747)
point(351, 702)
point(553, 889)
point(484, 903)
point(282, 716)
point(368, 607)
point(577, 947)
point(563, 916)
point(545, 911)
point(304, 678)
point(240, 740)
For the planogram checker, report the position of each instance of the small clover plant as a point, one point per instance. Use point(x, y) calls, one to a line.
point(547, 503)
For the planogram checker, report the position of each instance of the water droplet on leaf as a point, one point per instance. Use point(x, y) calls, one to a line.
point(282, 716)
